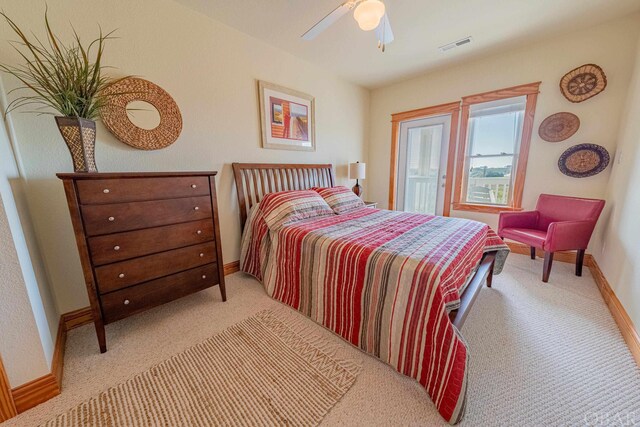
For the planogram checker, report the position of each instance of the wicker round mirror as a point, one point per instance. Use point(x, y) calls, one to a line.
point(142, 114)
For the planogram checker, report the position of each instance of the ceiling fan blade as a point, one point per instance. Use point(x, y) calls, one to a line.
point(327, 21)
point(384, 33)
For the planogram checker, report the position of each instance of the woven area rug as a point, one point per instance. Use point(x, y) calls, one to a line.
point(258, 372)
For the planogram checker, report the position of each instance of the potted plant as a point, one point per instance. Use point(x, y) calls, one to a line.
point(67, 79)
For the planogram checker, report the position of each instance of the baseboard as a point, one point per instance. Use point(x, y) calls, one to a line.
point(232, 267)
point(48, 386)
point(77, 318)
point(620, 315)
point(57, 362)
point(560, 256)
point(7, 406)
point(35, 392)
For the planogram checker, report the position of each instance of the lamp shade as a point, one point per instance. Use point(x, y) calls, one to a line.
point(368, 14)
point(357, 170)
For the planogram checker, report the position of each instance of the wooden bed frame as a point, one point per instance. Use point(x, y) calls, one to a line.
point(254, 180)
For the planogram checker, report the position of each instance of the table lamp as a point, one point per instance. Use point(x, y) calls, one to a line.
point(357, 171)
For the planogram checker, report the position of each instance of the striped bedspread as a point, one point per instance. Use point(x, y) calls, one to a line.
point(383, 280)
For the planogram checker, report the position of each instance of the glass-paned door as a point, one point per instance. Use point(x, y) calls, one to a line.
point(422, 163)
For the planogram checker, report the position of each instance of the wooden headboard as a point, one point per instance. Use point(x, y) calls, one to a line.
point(254, 180)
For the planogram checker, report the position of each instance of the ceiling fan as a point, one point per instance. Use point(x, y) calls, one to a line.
point(370, 15)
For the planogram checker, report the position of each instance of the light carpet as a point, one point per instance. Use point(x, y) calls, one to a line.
point(540, 354)
point(258, 372)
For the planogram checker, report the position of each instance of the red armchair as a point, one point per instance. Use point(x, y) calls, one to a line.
point(558, 224)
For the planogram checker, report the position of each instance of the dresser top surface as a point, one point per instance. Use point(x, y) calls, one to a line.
point(124, 175)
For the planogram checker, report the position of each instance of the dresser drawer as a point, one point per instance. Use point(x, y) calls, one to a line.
point(130, 244)
point(114, 218)
point(125, 302)
point(102, 191)
point(118, 275)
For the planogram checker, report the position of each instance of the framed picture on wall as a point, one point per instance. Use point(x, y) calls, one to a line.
point(287, 117)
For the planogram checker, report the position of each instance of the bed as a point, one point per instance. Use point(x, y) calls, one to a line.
point(397, 285)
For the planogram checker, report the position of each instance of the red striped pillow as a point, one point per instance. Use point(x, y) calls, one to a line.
point(285, 207)
point(341, 199)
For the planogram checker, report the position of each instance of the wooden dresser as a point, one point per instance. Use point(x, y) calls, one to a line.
point(144, 239)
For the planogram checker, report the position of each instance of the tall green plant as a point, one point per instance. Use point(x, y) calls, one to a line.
point(67, 78)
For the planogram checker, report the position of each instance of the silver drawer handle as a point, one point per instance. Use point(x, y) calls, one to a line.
point(106, 191)
point(126, 302)
point(199, 232)
point(116, 248)
point(201, 255)
point(204, 276)
point(121, 275)
point(111, 219)
point(196, 208)
point(193, 186)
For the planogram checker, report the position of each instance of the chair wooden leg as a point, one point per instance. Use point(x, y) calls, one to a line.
point(533, 252)
point(546, 269)
point(579, 262)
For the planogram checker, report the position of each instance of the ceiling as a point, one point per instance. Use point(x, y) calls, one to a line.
point(420, 27)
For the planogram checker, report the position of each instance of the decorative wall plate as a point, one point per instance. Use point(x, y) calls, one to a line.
point(583, 160)
point(583, 83)
point(116, 117)
point(558, 127)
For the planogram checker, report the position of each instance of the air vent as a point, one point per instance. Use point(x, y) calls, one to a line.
point(455, 44)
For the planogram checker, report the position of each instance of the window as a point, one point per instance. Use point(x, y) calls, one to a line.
point(495, 132)
point(493, 150)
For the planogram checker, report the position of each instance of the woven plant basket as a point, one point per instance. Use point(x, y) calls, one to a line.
point(80, 136)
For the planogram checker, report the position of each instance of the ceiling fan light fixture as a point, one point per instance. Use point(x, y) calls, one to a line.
point(368, 14)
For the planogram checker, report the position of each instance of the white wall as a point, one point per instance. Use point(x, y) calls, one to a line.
point(211, 71)
point(28, 318)
point(610, 45)
point(618, 252)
